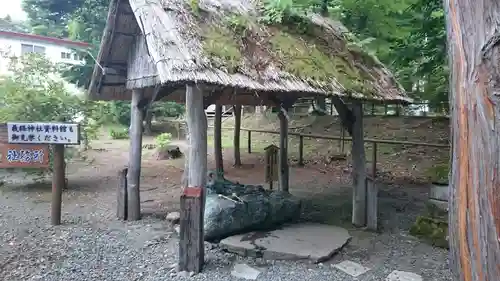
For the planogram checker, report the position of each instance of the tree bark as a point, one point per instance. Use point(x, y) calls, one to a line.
point(148, 119)
point(219, 161)
point(358, 167)
point(191, 246)
point(134, 166)
point(237, 131)
point(474, 203)
point(284, 174)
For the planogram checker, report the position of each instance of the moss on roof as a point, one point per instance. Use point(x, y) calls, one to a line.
point(292, 46)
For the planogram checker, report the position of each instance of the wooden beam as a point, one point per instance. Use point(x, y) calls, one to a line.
point(58, 182)
point(345, 114)
point(284, 174)
point(219, 161)
point(237, 133)
point(191, 245)
point(121, 204)
point(134, 166)
point(371, 204)
point(358, 167)
point(114, 84)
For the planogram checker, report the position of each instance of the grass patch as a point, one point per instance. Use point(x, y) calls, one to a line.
point(438, 173)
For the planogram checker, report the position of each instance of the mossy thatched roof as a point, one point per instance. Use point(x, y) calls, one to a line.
point(225, 43)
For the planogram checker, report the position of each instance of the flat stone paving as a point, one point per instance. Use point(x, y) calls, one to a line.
point(316, 242)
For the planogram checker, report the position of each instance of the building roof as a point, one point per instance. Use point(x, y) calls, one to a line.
point(47, 39)
point(222, 42)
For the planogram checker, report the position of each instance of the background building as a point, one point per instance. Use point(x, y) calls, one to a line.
point(15, 44)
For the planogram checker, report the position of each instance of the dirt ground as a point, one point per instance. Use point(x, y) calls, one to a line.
point(325, 189)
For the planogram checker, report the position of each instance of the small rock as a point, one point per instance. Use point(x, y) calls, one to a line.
point(241, 270)
point(351, 268)
point(397, 275)
point(185, 274)
point(173, 217)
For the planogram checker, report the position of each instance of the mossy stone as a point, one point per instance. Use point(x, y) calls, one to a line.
point(431, 230)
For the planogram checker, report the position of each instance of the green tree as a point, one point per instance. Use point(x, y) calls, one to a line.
point(34, 91)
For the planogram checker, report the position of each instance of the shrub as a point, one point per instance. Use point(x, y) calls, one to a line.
point(118, 134)
point(163, 140)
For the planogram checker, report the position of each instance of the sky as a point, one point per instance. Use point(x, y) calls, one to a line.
point(12, 8)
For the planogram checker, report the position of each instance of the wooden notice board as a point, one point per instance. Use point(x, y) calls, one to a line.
point(22, 155)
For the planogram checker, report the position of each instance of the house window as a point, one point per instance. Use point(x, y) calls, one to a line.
point(65, 55)
point(28, 49)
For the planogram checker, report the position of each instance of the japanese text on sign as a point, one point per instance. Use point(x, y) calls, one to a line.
point(49, 133)
point(24, 155)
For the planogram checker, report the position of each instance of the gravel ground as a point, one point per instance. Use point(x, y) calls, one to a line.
point(91, 245)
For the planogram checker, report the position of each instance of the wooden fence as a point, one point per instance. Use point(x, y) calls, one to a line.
point(342, 139)
point(416, 109)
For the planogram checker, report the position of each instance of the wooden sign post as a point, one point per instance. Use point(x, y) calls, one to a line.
point(30, 140)
point(271, 160)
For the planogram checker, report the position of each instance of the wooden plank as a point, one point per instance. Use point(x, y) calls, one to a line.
point(24, 155)
point(358, 167)
point(219, 161)
point(371, 204)
point(58, 183)
point(301, 151)
point(249, 141)
point(134, 167)
point(237, 131)
point(283, 153)
point(191, 244)
point(121, 204)
point(314, 136)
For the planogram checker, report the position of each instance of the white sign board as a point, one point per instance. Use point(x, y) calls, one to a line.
point(43, 132)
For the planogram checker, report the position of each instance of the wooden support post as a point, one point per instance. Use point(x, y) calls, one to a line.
point(121, 204)
point(134, 166)
point(374, 160)
point(236, 140)
point(191, 245)
point(249, 141)
point(358, 166)
point(371, 204)
point(342, 141)
point(58, 183)
point(385, 109)
point(219, 161)
point(373, 109)
point(301, 150)
point(283, 158)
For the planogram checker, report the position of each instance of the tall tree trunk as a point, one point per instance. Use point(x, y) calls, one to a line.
point(474, 203)
point(237, 130)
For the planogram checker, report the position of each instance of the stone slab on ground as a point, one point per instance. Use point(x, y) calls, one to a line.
point(351, 268)
point(397, 275)
point(317, 242)
point(439, 192)
point(241, 270)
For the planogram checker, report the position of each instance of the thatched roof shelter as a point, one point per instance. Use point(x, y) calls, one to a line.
point(226, 45)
